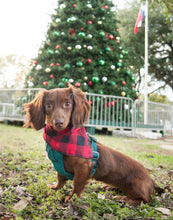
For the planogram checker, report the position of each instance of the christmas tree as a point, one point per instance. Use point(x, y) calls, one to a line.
point(83, 47)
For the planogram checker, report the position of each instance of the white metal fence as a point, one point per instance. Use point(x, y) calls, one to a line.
point(106, 111)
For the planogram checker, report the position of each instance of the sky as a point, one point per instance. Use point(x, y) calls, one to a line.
point(23, 26)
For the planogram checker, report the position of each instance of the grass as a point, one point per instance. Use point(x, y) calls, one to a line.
point(25, 172)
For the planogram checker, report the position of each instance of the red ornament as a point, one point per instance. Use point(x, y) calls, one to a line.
point(77, 84)
point(115, 101)
point(108, 104)
point(58, 46)
point(57, 64)
point(123, 83)
point(90, 83)
point(106, 7)
point(89, 22)
point(52, 65)
point(72, 31)
point(30, 77)
point(35, 62)
point(51, 76)
point(45, 83)
point(81, 29)
point(74, 5)
point(117, 29)
point(88, 60)
point(118, 41)
point(111, 37)
point(90, 102)
point(112, 103)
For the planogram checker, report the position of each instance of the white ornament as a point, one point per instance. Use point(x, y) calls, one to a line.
point(47, 70)
point(38, 67)
point(58, 20)
point(78, 46)
point(112, 67)
point(62, 33)
point(73, 18)
point(89, 47)
point(104, 79)
point(126, 106)
point(85, 84)
point(89, 5)
point(62, 6)
point(71, 80)
point(89, 36)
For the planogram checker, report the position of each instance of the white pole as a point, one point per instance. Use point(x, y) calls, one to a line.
point(146, 65)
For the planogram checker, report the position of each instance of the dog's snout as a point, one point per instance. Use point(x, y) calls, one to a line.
point(59, 122)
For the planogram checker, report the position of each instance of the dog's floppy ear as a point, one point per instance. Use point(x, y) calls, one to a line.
point(81, 109)
point(35, 112)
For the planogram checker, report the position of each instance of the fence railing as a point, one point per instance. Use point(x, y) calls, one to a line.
point(106, 111)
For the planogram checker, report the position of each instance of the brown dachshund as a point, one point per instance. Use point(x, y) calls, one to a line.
point(61, 107)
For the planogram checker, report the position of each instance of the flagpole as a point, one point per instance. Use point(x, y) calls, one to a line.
point(146, 66)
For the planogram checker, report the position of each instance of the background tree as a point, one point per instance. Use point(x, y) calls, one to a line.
point(160, 43)
point(83, 47)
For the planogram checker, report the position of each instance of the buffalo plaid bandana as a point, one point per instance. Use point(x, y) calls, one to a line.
point(70, 141)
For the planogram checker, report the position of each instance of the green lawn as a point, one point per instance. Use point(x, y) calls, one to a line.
point(25, 172)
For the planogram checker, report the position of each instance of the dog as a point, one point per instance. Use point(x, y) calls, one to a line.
point(64, 108)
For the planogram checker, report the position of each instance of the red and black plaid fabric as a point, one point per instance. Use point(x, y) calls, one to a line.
point(70, 141)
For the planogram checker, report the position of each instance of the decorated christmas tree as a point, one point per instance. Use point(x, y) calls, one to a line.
point(83, 47)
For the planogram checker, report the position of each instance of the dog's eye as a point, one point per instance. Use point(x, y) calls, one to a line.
point(48, 105)
point(67, 104)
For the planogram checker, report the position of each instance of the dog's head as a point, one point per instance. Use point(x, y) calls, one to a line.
point(59, 108)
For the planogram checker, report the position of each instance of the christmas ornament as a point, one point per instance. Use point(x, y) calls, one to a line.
point(47, 70)
point(71, 80)
point(58, 20)
point(112, 103)
point(64, 80)
point(85, 84)
point(62, 6)
point(104, 78)
point(56, 33)
point(58, 46)
point(90, 83)
point(69, 48)
point(57, 64)
point(101, 62)
point(123, 83)
point(106, 7)
point(45, 83)
point(79, 63)
point(133, 78)
point(62, 33)
point(89, 5)
point(51, 76)
point(119, 64)
point(88, 60)
point(61, 85)
point(128, 72)
point(99, 22)
point(52, 65)
point(121, 56)
point(78, 47)
point(82, 34)
point(123, 94)
point(101, 92)
point(108, 49)
point(50, 51)
point(111, 37)
point(95, 79)
point(67, 66)
point(89, 22)
point(35, 62)
point(126, 106)
point(89, 47)
point(89, 36)
point(38, 67)
point(30, 77)
point(77, 84)
point(57, 51)
point(74, 5)
point(85, 78)
point(112, 67)
point(102, 33)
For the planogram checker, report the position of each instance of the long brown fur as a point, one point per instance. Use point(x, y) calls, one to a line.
point(61, 107)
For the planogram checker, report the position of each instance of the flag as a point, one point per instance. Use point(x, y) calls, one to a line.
point(141, 16)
